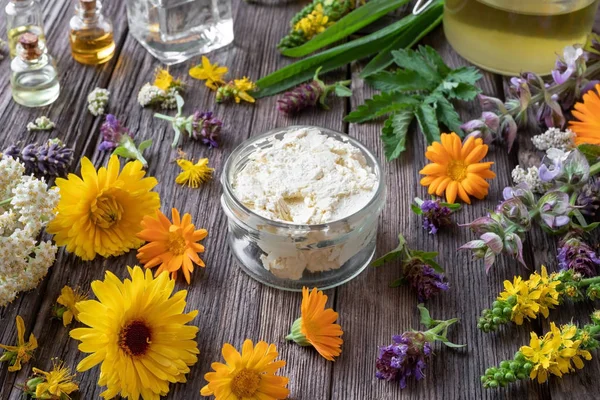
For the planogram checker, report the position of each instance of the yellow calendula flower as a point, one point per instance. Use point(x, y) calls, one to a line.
point(194, 175)
point(164, 80)
point(314, 23)
point(138, 332)
point(58, 383)
point(316, 326)
point(247, 376)
point(23, 351)
point(211, 73)
point(101, 212)
point(68, 299)
point(171, 246)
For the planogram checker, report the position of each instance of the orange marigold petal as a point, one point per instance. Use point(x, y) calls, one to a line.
point(451, 192)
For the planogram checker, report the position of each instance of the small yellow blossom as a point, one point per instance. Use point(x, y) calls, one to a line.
point(242, 86)
point(194, 175)
point(314, 23)
point(211, 73)
point(163, 79)
point(68, 299)
point(23, 351)
point(56, 384)
point(540, 354)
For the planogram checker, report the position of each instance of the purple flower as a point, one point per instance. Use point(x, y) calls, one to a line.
point(554, 211)
point(589, 198)
point(550, 113)
point(112, 132)
point(52, 158)
point(577, 255)
point(423, 278)
point(206, 127)
point(435, 216)
point(406, 357)
point(485, 127)
point(565, 67)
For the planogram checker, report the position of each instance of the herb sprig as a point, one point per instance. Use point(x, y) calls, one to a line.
point(422, 88)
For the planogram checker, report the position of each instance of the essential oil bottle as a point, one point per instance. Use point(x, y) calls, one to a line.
point(34, 79)
point(23, 16)
point(92, 41)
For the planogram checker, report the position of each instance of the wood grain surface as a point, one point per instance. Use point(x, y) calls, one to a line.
point(234, 307)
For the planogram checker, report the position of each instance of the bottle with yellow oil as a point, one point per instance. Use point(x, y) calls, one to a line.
point(23, 16)
point(91, 34)
point(513, 36)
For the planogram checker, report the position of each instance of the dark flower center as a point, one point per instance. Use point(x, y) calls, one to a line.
point(135, 338)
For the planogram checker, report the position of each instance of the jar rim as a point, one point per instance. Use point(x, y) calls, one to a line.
point(377, 170)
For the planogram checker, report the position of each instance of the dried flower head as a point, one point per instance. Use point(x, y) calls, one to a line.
point(575, 254)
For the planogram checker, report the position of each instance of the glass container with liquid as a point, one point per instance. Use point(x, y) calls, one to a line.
point(23, 16)
point(91, 34)
point(176, 30)
point(513, 36)
point(34, 79)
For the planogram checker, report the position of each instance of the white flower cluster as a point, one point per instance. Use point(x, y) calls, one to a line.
point(26, 206)
point(97, 101)
point(150, 95)
point(554, 138)
point(42, 123)
point(531, 177)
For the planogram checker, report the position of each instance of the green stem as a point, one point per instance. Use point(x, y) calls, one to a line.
point(595, 169)
point(6, 201)
point(588, 281)
point(165, 117)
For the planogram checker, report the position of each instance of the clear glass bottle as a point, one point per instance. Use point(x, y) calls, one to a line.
point(34, 78)
point(23, 16)
point(91, 34)
point(176, 30)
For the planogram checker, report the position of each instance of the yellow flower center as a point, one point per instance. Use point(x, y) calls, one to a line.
point(135, 338)
point(457, 170)
point(105, 211)
point(177, 244)
point(245, 383)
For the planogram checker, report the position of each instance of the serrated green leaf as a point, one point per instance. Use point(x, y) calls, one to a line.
point(590, 151)
point(448, 116)
point(433, 58)
point(401, 80)
point(398, 252)
point(393, 134)
point(382, 104)
point(412, 60)
point(428, 123)
point(462, 91)
point(468, 75)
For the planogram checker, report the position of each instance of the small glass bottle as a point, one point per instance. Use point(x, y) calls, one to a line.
point(23, 16)
point(92, 39)
point(34, 79)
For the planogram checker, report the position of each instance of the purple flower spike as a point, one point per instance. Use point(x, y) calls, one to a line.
point(577, 255)
point(435, 216)
point(112, 132)
point(206, 128)
point(424, 279)
point(304, 96)
point(406, 357)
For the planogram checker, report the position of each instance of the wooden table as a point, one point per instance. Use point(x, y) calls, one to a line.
point(233, 306)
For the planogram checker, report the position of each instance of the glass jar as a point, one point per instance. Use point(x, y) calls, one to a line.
point(514, 36)
point(289, 256)
point(23, 16)
point(176, 30)
point(91, 35)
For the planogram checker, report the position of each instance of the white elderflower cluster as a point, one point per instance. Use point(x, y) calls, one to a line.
point(554, 138)
point(26, 206)
point(42, 123)
point(150, 95)
point(531, 177)
point(97, 101)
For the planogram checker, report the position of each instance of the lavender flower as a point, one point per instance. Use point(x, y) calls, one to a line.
point(589, 198)
point(435, 215)
point(112, 133)
point(572, 60)
point(423, 278)
point(50, 159)
point(577, 255)
point(407, 356)
point(206, 127)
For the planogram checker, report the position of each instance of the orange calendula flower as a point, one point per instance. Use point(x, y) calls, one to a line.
point(211, 73)
point(22, 352)
point(247, 376)
point(316, 325)
point(171, 246)
point(587, 113)
point(456, 168)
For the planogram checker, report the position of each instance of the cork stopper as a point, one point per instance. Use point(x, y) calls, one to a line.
point(88, 5)
point(30, 44)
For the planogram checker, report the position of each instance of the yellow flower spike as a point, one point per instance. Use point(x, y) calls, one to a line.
point(142, 339)
point(314, 23)
point(58, 383)
point(194, 175)
point(23, 351)
point(68, 299)
point(163, 79)
point(211, 73)
point(171, 246)
point(586, 124)
point(540, 354)
point(456, 169)
point(101, 212)
point(316, 326)
point(248, 376)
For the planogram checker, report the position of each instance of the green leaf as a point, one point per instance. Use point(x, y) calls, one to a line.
point(398, 252)
point(393, 134)
point(342, 91)
point(468, 75)
point(590, 151)
point(350, 23)
point(401, 80)
point(397, 282)
point(428, 123)
point(122, 152)
point(448, 116)
point(452, 207)
point(463, 91)
point(416, 209)
point(425, 317)
point(411, 60)
point(433, 58)
point(381, 104)
point(144, 145)
point(448, 343)
point(425, 255)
